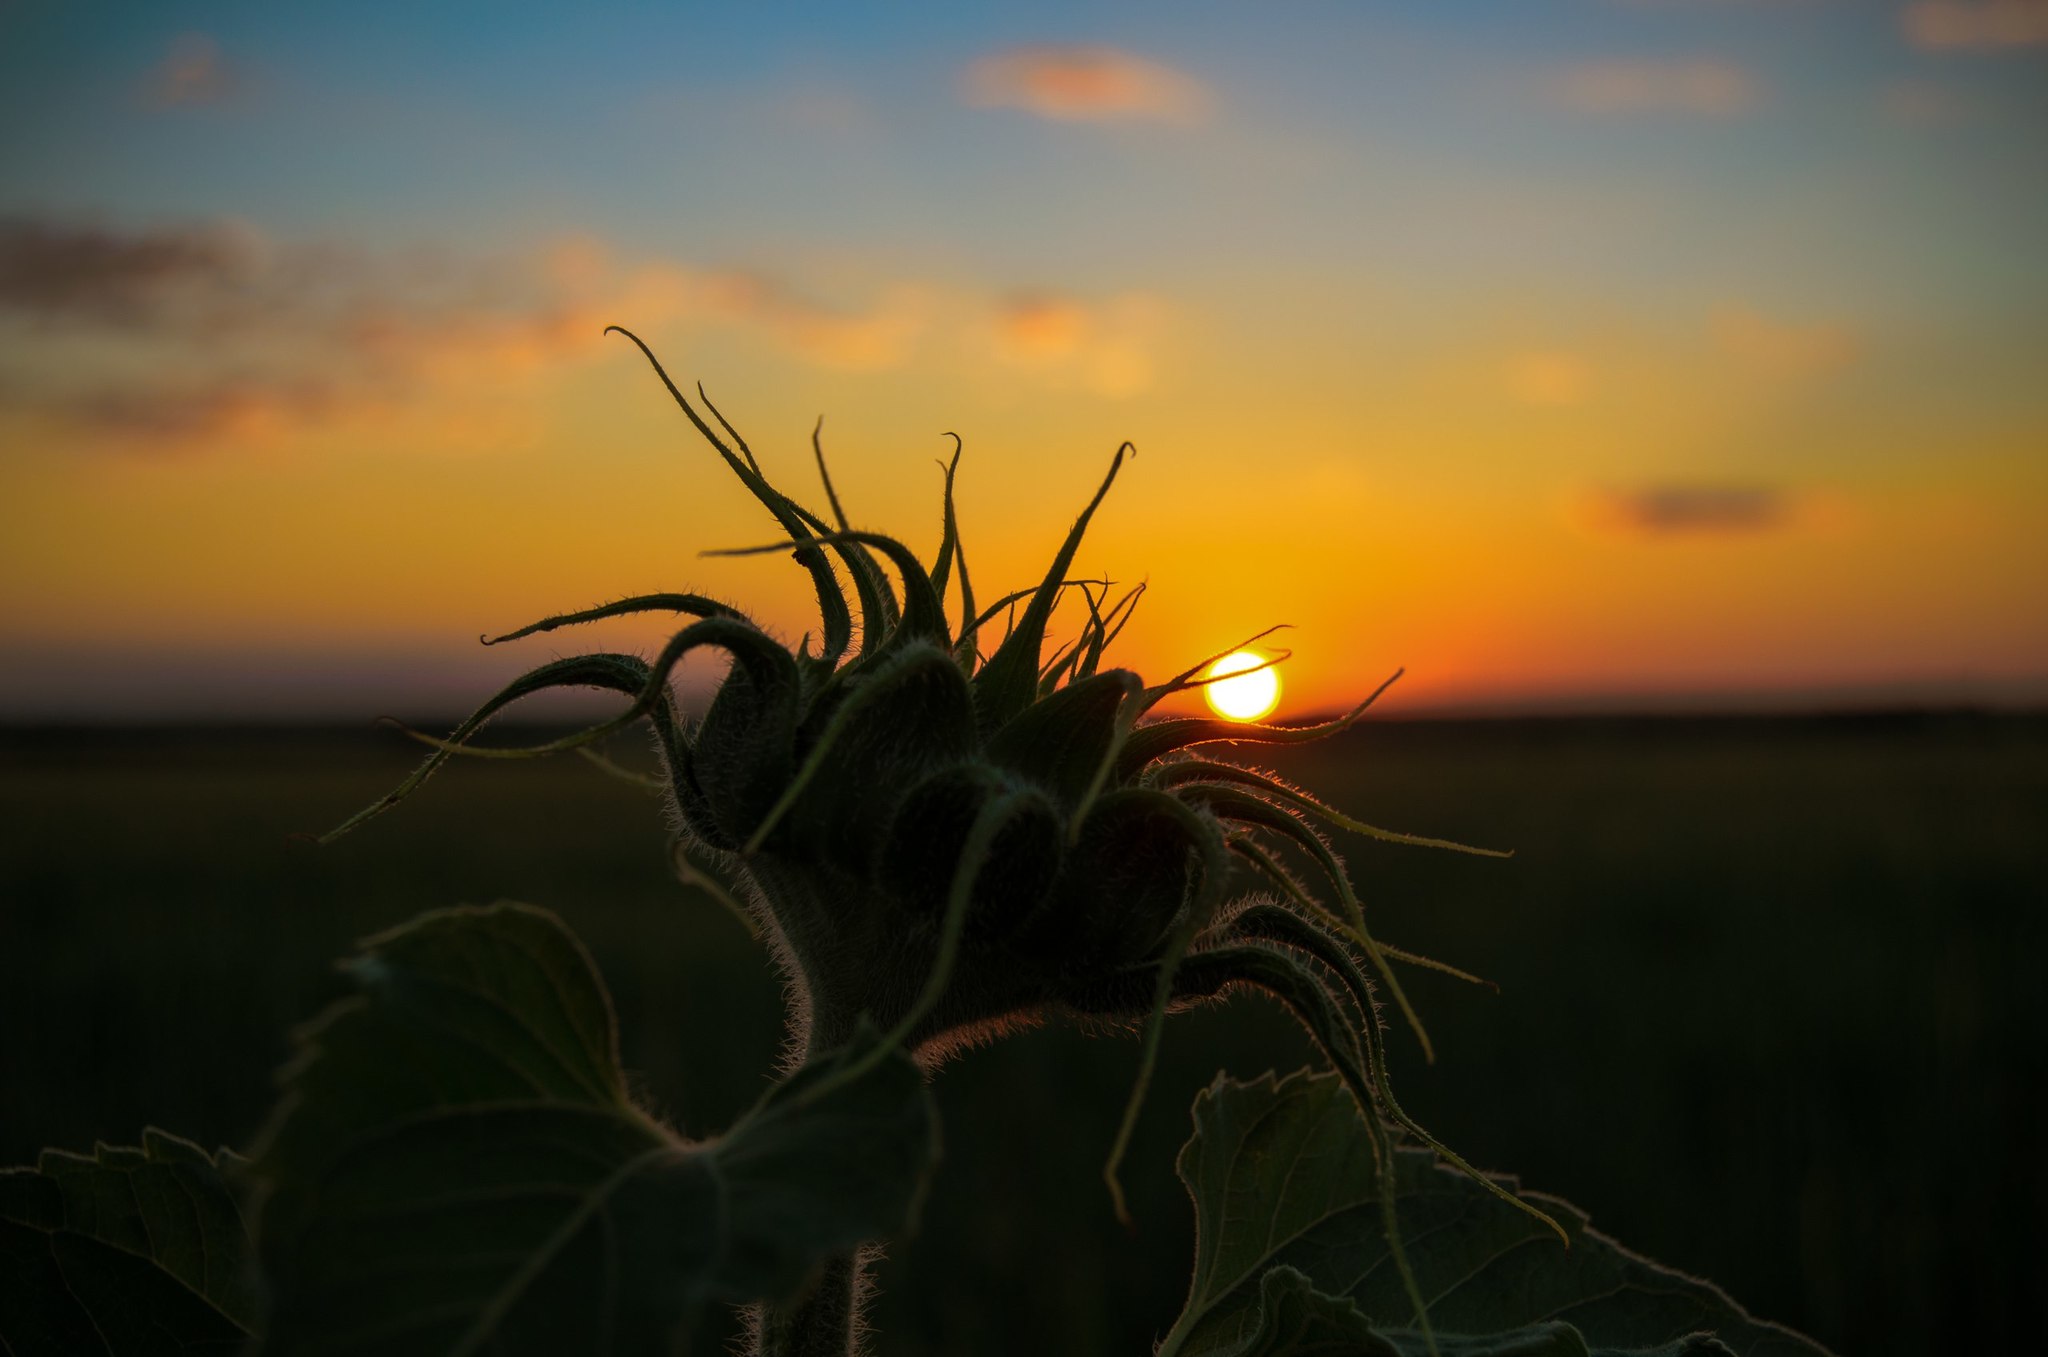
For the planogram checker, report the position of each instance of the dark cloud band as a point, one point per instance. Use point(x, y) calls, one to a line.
point(1697, 508)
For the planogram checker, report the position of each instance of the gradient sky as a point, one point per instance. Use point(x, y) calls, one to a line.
point(1647, 352)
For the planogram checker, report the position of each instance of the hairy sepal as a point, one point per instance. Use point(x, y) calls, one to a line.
point(836, 616)
point(694, 605)
point(926, 848)
point(610, 672)
point(1007, 684)
point(894, 722)
point(744, 753)
point(1064, 742)
point(1160, 738)
point(1131, 871)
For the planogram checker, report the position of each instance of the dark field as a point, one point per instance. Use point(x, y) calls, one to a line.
point(1772, 1007)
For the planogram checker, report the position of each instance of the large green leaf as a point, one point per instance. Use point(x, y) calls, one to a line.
point(127, 1251)
point(456, 1167)
point(1291, 1256)
point(1293, 1319)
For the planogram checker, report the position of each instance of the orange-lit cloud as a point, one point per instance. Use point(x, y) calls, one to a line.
point(193, 72)
point(175, 336)
point(1103, 347)
point(178, 337)
point(1549, 378)
point(1783, 347)
point(227, 408)
point(868, 339)
point(1682, 508)
point(1083, 84)
point(1700, 86)
point(1937, 25)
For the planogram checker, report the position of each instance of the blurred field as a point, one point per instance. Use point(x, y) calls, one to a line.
point(1772, 1004)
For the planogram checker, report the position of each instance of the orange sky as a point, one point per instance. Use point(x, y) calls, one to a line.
point(1646, 355)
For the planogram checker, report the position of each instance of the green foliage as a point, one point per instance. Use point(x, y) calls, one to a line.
point(126, 1251)
point(1291, 1260)
point(456, 1166)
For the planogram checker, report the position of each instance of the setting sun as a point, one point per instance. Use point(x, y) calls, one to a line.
point(1248, 692)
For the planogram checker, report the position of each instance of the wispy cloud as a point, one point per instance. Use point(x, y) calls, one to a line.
point(1700, 86)
point(1691, 509)
point(1105, 347)
point(184, 334)
point(227, 407)
point(1788, 348)
point(875, 337)
point(57, 272)
point(169, 338)
point(1084, 84)
point(1938, 25)
point(193, 72)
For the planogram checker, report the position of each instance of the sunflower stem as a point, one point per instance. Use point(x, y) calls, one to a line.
point(824, 1322)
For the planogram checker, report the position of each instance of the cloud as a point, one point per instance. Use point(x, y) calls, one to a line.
point(180, 337)
point(1782, 347)
point(869, 339)
point(1700, 86)
point(1946, 25)
point(1083, 84)
point(1694, 509)
point(170, 337)
point(1039, 327)
point(59, 272)
point(860, 342)
point(1549, 378)
point(193, 73)
point(248, 408)
point(1105, 347)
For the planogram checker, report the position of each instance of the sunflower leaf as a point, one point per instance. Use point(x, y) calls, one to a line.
point(1281, 1173)
point(455, 1166)
point(125, 1250)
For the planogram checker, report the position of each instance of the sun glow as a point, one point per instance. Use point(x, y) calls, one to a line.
point(1249, 692)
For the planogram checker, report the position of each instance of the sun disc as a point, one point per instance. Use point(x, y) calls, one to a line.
point(1249, 692)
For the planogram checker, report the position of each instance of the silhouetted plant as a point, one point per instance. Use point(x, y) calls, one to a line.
point(943, 833)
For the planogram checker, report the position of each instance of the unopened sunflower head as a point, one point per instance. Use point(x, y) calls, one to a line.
point(949, 831)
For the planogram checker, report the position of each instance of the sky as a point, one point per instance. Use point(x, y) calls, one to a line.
point(1621, 354)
